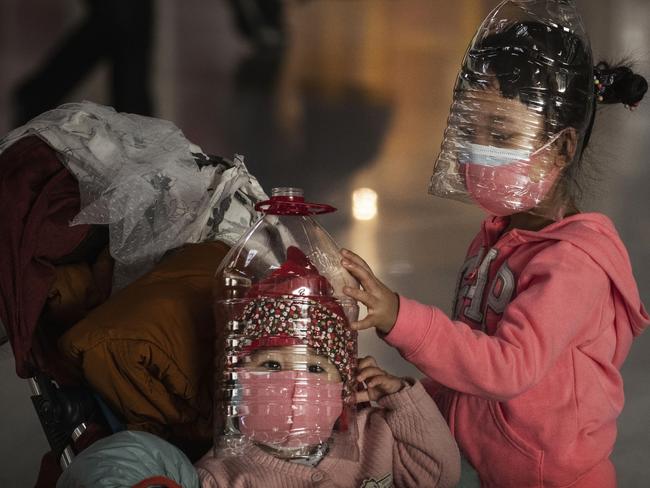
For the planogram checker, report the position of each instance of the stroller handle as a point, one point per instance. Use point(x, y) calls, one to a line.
point(64, 413)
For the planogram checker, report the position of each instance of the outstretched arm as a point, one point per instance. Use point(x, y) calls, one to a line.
point(559, 297)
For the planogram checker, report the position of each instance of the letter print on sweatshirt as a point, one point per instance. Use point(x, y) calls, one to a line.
point(500, 292)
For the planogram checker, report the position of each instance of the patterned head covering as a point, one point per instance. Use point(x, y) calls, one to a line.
point(286, 320)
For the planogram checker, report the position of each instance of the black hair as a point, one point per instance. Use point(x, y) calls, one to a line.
point(551, 68)
point(621, 84)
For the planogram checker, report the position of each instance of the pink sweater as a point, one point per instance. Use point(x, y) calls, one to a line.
point(406, 442)
point(530, 365)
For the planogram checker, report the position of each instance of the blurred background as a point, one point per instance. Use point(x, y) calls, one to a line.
point(332, 96)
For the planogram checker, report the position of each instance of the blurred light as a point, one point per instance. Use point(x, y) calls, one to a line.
point(364, 204)
point(400, 268)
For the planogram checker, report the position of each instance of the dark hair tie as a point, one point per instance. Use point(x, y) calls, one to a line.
point(619, 84)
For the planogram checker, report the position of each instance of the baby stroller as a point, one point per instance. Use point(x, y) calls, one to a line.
point(53, 275)
point(37, 185)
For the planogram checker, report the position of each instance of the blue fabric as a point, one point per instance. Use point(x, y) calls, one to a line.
point(468, 475)
point(125, 459)
point(113, 422)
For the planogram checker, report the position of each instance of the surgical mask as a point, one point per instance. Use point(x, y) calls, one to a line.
point(505, 181)
point(288, 409)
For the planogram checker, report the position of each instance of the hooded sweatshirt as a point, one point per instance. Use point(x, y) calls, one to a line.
point(527, 373)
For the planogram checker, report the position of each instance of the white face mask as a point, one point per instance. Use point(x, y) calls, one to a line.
point(492, 156)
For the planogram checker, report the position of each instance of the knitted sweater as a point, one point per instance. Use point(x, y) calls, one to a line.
point(405, 443)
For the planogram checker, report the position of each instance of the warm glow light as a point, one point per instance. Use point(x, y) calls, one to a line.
point(364, 204)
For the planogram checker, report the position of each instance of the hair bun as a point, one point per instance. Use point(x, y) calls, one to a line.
point(619, 84)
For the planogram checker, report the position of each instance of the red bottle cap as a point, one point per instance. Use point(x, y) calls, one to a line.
point(290, 201)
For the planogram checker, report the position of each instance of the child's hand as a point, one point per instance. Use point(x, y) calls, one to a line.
point(382, 303)
point(378, 383)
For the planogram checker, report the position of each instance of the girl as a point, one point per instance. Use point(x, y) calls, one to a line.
point(291, 395)
point(526, 370)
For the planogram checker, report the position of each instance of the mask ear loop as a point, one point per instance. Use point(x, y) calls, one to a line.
point(560, 211)
point(549, 143)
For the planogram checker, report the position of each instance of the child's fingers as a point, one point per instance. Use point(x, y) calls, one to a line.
point(360, 295)
point(365, 277)
point(362, 396)
point(378, 381)
point(366, 362)
point(355, 258)
point(370, 373)
point(385, 383)
point(367, 323)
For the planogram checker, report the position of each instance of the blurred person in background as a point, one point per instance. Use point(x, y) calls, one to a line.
point(118, 31)
point(260, 21)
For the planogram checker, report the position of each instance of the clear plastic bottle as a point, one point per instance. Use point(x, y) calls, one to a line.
point(284, 376)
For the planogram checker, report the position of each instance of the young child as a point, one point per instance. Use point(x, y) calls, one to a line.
point(292, 395)
point(527, 369)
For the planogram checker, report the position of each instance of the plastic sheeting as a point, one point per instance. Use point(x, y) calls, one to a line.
point(151, 186)
point(286, 379)
point(522, 104)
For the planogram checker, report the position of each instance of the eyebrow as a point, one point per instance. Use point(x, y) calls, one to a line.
point(500, 119)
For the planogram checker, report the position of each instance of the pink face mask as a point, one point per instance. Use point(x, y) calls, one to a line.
point(504, 181)
point(288, 408)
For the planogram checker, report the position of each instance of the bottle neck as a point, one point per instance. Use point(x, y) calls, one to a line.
point(288, 194)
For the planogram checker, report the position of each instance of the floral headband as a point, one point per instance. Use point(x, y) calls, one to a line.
point(274, 321)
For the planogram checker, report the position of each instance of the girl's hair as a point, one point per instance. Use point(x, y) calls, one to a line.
point(550, 69)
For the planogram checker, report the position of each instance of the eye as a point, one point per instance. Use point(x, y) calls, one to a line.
point(499, 136)
point(315, 368)
point(272, 365)
point(467, 131)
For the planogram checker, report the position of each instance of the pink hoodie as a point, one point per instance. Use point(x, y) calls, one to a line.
point(530, 365)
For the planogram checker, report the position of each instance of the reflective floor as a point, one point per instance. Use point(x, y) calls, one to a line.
point(358, 99)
